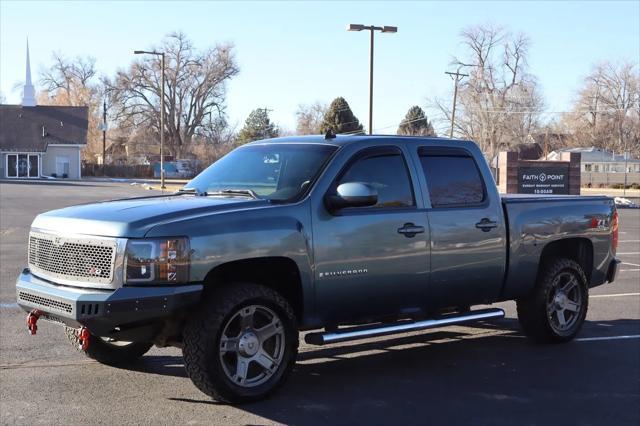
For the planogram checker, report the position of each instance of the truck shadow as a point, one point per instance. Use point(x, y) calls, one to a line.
point(481, 375)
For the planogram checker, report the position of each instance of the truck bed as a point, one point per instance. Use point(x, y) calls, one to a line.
point(534, 221)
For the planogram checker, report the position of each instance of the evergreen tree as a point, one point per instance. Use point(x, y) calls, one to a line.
point(415, 123)
point(340, 119)
point(257, 126)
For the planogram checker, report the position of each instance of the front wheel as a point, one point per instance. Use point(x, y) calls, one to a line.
point(241, 344)
point(556, 309)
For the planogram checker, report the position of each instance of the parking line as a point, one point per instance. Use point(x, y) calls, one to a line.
point(632, 264)
point(630, 252)
point(629, 270)
point(629, 241)
point(593, 339)
point(614, 295)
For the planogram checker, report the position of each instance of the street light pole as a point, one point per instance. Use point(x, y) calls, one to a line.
point(371, 84)
point(162, 66)
point(371, 28)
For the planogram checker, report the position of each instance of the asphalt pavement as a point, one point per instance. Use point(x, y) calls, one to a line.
point(482, 374)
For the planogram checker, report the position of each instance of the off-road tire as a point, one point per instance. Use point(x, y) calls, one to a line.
point(107, 353)
point(202, 333)
point(533, 309)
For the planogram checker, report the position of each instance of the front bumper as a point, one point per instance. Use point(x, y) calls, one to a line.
point(104, 312)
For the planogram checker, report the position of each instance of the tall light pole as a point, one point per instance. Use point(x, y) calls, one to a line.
point(161, 54)
point(457, 76)
point(371, 28)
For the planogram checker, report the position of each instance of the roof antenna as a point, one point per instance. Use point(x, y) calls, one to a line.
point(330, 134)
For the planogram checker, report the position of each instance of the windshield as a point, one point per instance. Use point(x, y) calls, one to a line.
point(272, 171)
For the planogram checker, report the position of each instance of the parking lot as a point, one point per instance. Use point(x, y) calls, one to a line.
point(482, 374)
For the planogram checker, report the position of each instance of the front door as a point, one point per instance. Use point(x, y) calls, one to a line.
point(22, 166)
point(367, 263)
point(468, 237)
point(62, 167)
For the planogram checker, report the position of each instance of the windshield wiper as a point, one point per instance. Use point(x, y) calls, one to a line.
point(194, 191)
point(241, 192)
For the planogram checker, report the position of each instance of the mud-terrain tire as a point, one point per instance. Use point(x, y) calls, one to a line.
point(109, 352)
point(555, 310)
point(240, 330)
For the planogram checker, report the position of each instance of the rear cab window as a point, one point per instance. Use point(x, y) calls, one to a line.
point(453, 177)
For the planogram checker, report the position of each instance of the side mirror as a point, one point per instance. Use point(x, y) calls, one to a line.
point(352, 194)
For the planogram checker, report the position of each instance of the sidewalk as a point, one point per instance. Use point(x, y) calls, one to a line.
point(630, 193)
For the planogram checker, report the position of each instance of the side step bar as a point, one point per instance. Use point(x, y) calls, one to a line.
point(355, 333)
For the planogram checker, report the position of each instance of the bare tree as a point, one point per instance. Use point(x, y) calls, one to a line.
point(195, 91)
point(74, 82)
point(309, 118)
point(498, 104)
point(607, 111)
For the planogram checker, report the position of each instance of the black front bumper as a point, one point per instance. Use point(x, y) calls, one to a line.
point(103, 311)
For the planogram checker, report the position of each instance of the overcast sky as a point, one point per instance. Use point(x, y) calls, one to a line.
point(299, 52)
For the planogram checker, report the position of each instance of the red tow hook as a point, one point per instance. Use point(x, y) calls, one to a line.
point(83, 338)
point(32, 321)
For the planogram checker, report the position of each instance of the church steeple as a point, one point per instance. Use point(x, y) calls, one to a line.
point(29, 92)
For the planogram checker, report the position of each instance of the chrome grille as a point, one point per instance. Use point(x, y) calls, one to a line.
point(72, 259)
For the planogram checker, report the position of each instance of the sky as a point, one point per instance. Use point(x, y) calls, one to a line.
point(293, 53)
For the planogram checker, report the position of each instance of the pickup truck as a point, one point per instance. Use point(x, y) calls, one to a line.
point(345, 238)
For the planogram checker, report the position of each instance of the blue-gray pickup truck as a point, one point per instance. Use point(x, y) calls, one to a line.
point(345, 237)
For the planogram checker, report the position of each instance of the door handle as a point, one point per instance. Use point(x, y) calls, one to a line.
point(409, 230)
point(486, 224)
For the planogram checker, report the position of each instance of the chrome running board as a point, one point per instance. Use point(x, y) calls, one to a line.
point(355, 333)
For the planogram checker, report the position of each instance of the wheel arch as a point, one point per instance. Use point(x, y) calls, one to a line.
point(577, 249)
point(277, 272)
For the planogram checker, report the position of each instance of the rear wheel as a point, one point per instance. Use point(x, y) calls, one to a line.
point(109, 351)
point(241, 344)
point(557, 308)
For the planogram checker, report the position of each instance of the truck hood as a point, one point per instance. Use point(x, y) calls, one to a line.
point(135, 217)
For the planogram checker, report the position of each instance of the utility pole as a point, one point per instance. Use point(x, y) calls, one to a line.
point(162, 123)
point(104, 134)
point(456, 76)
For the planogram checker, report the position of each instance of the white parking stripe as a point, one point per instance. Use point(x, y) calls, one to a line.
point(629, 270)
point(592, 339)
point(614, 295)
point(630, 252)
point(629, 241)
point(632, 264)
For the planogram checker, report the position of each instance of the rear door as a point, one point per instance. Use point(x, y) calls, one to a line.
point(372, 261)
point(468, 237)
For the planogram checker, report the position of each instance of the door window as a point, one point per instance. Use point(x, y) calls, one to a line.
point(453, 181)
point(33, 166)
point(12, 165)
point(388, 174)
point(23, 165)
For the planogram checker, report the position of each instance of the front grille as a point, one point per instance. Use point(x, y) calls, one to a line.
point(72, 259)
point(45, 302)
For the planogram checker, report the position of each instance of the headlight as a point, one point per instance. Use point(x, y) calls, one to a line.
point(157, 260)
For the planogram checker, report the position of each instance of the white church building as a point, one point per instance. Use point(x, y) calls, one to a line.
point(41, 140)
